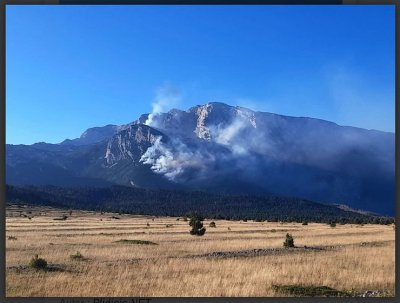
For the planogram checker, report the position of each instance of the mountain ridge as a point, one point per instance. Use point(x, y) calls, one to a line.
point(218, 147)
point(143, 118)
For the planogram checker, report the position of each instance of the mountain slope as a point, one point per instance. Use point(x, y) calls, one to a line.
point(222, 149)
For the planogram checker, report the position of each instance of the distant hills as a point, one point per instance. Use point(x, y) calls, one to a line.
point(221, 149)
point(160, 202)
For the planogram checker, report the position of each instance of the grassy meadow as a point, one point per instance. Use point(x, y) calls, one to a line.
point(108, 254)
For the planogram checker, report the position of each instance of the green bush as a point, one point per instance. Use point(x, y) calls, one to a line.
point(38, 263)
point(289, 242)
point(197, 225)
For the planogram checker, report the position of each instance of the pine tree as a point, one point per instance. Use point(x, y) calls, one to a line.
point(197, 225)
point(289, 242)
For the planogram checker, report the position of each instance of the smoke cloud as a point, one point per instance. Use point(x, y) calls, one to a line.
point(167, 97)
point(252, 148)
point(180, 161)
point(177, 161)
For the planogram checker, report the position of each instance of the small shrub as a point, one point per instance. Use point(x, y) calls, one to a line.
point(148, 224)
point(305, 223)
point(289, 242)
point(168, 225)
point(332, 224)
point(229, 228)
point(197, 225)
point(185, 219)
point(212, 224)
point(78, 257)
point(38, 263)
point(12, 238)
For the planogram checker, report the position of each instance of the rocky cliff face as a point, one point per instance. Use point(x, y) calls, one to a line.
point(130, 143)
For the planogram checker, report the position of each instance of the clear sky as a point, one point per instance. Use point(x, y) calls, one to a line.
point(69, 68)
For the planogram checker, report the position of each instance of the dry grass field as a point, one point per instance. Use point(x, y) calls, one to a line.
point(349, 257)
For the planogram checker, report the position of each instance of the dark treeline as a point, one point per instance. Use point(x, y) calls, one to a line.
point(180, 203)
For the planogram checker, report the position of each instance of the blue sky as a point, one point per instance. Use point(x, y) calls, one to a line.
point(69, 68)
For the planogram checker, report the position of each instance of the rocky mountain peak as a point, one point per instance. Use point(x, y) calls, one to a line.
point(130, 143)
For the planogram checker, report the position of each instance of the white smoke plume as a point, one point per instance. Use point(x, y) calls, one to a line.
point(175, 160)
point(228, 136)
point(167, 97)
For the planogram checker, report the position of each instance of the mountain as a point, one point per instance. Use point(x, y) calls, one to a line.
point(94, 135)
point(222, 149)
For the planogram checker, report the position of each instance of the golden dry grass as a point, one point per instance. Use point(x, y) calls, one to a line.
point(124, 269)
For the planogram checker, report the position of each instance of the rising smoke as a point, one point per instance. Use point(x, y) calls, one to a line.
point(167, 97)
point(255, 147)
point(179, 161)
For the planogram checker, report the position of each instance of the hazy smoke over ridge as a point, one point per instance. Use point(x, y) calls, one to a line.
point(229, 136)
point(252, 146)
point(167, 96)
point(177, 161)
